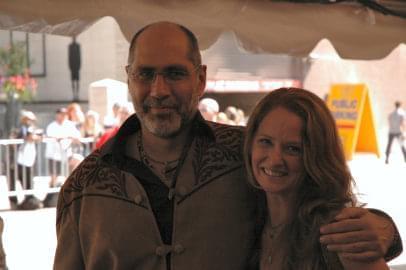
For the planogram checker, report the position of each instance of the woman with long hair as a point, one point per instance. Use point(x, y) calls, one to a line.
point(294, 156)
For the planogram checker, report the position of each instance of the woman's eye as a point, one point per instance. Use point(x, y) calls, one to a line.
point(264, 141)
point(294, 149)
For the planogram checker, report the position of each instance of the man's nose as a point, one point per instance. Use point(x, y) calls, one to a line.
point(159, 86)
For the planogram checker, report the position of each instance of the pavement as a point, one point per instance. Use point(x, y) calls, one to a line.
point(30, 241)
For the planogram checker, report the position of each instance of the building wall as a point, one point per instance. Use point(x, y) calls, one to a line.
point(102, 56)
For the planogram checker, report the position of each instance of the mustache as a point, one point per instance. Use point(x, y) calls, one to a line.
point(152, 102)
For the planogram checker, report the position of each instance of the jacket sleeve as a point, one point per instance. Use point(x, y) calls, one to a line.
point(396, 248)
point(68, 253)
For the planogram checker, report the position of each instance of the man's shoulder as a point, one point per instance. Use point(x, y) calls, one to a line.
point(226, 132)
point(225, 137)
point(81, 177)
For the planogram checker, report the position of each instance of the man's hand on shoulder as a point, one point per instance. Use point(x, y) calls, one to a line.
point(358, 234)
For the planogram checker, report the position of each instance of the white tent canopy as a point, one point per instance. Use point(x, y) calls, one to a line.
point(356, 31)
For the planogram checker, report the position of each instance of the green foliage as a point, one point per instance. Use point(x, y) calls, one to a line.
point(15, 79)
point(13, 59)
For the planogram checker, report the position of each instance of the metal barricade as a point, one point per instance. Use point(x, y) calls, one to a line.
point(18, 171)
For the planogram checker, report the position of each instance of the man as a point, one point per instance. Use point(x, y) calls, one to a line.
point(396, 120)
point(61, 133)
point(169, 190)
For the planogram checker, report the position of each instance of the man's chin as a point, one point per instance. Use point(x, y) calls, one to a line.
point(165, 133)
point(164, 128)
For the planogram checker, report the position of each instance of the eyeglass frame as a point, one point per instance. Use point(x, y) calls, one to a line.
point(163, 73)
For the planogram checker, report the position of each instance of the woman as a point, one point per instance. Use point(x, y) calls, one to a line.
point(91, 126)
point(293, 153)
point(75, 114)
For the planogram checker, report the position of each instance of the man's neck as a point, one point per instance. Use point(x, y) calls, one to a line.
point(164, 149)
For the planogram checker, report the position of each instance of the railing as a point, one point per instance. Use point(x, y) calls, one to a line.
point(27, 167)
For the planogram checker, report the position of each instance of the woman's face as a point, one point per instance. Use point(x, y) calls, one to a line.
point(277, 152)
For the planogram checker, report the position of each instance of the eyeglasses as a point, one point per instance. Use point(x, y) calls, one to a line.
point(171, 75)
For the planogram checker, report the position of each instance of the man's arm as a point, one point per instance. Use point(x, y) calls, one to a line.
point(362, 234)
point(68, 251)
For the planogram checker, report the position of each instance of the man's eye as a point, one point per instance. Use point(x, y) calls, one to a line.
point(176, 75)
point(144, 75)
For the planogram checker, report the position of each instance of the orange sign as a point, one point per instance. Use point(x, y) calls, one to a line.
point(351, 107)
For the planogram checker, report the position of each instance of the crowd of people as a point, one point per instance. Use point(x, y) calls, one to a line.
point(210, 110)
point(64, 144)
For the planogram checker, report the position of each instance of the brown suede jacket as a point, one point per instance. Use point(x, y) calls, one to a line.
point(106, 220)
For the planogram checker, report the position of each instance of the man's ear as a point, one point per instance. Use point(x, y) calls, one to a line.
point(127, 71)
point(202, 79)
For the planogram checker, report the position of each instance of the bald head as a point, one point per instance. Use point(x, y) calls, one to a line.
point(158, 28)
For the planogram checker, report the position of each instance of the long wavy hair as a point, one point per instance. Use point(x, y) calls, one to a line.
point(326, 187)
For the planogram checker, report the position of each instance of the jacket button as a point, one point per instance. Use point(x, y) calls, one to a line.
point(160, 251)
point(171, 194)
point(138, 199)
point(178, 248)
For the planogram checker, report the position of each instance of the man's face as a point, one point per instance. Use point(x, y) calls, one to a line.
point(60, 117)
point(167, 102)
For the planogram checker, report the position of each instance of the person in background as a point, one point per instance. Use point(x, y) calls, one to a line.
point(397, 127)
point(91, 126)
point(113, 118)
point(222, 118)
point(61, 133)
point(75, 114)
point(27, 151)
point(241, 116)
point(232, 115)
point(209, 108)
point(294, 156)
point(169, 190)
point(26, 157)
point(123, 113)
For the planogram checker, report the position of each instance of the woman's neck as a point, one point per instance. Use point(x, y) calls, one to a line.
point(279, 210)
